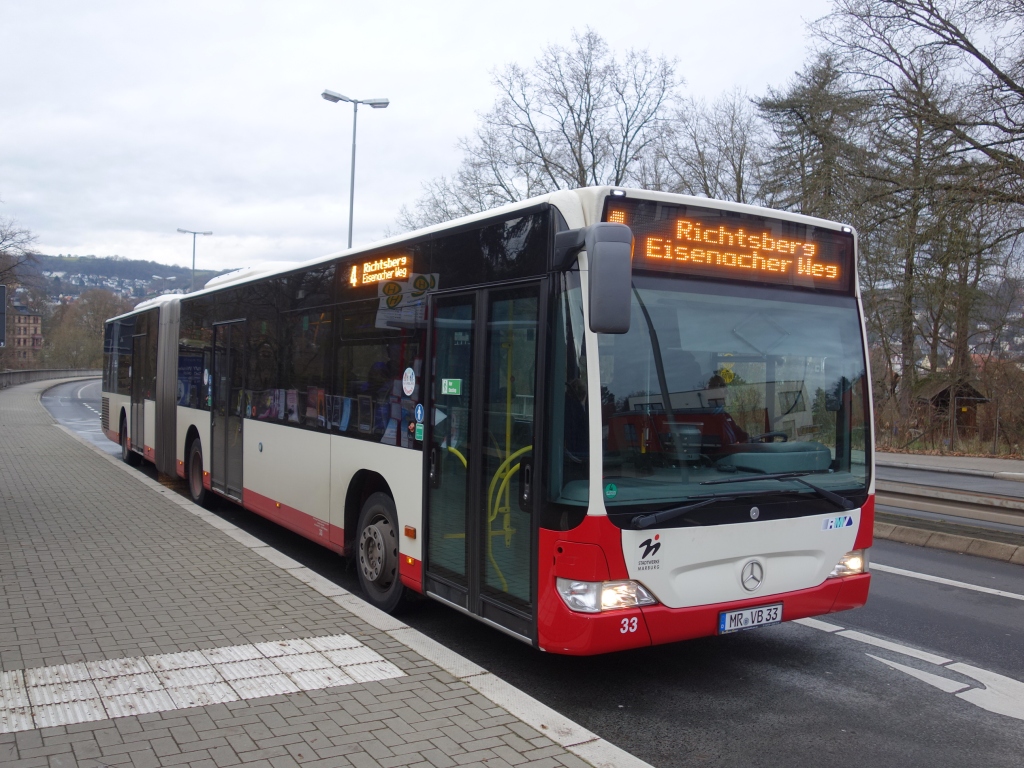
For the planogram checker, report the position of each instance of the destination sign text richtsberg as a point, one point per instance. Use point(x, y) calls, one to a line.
point(731, 246)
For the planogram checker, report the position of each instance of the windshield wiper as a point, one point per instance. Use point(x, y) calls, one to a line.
point(646, 521)
point(835, 498)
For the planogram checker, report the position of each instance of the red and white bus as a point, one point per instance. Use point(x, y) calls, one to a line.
point(596, 420)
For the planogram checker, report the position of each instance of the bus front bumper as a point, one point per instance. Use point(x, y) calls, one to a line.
point(561, 630)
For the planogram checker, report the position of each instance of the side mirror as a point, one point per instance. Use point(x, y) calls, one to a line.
point(609, 252)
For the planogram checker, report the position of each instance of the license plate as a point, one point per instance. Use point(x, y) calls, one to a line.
point(749, 618)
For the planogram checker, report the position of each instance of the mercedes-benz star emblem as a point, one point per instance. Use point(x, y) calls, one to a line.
point(752, 575)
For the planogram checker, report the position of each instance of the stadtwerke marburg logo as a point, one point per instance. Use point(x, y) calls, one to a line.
point(649, 549)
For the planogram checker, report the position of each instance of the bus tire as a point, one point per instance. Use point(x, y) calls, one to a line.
point(194, 474)
point(377, 552)
point(128, 456)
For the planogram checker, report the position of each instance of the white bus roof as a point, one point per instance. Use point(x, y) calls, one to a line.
point(580, 207)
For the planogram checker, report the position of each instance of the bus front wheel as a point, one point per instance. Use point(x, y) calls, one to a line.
point(196, 490)
point(128, 456)
point(377, 552)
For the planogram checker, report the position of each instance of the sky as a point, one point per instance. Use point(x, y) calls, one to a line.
point(122, 121)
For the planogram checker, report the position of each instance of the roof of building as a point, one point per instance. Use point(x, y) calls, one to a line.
point(936, 385)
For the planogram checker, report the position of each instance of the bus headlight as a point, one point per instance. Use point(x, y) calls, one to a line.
point(597, 596)
point(851, 563)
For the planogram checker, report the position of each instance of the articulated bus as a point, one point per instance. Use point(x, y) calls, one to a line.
point(596, 420)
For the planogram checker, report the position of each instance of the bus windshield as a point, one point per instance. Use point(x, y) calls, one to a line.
point(716, 383)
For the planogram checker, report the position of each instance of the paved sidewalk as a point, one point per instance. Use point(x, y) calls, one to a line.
point(137, 629)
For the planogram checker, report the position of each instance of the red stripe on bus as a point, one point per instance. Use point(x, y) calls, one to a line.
point(112, 435)
point(411, 572)
point(148, 453)
point(866, 532)
point(304, 524)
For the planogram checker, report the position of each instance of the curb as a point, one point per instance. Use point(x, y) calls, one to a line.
point(921, 537)
point(569, 735)
point(1017, 477)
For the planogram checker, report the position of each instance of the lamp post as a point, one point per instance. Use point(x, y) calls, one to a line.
point(190, 232)
point(376, 104)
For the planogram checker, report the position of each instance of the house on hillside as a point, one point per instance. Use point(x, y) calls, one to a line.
point(24, 336)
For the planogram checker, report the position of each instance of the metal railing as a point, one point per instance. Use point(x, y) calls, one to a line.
point(10, 378)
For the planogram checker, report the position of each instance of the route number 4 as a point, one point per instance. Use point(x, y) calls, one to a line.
point(628, 625)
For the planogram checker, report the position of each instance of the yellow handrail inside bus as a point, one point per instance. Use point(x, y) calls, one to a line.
point(498, 475)
point(461, 457)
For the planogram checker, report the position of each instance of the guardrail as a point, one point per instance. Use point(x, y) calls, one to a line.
point(970, 504)
point(10, 378)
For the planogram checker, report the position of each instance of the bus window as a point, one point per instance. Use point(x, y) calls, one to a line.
point(569, 451)
point(373, 353)
point(125, 331)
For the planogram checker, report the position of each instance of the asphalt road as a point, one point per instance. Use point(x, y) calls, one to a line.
point(927, 674)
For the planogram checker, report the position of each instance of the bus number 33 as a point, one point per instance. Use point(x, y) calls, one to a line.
point(628, 625)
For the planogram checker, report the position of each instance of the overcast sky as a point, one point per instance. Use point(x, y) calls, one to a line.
point(122, 121)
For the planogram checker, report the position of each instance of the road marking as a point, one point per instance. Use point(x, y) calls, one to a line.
point(99, 690)
point(878, 642)
point(998, 693)
point(942, 683)
point(824, 626)
point(1002, 695)
point(947, 582)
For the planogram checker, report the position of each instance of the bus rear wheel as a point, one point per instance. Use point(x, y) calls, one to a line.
point(128, 456)
point(194, 475)
point(377, 552)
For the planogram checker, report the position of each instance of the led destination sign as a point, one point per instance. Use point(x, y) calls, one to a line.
point(379, 269)
point(703, 241)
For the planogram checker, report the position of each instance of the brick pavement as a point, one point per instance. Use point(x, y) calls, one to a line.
point(98, 562)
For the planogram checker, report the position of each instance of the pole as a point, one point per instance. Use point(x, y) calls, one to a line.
point(352, 181)
point(995, 440)
point(193, 262)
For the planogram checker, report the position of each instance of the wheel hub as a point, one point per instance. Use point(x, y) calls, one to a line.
point(375, 552)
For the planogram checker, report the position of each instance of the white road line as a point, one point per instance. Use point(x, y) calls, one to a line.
point(942, 683)
point(878, 642)
point(998, 693)
point(947, 582)
point(824, 626)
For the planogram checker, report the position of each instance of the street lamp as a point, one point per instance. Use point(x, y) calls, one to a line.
point(376, 104)
point(190, 232)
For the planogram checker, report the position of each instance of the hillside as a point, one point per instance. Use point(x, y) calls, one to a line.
point(135, 278)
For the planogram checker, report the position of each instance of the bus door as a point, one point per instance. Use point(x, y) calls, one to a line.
point(480, 457)
point(228, 408)
point(138, 390)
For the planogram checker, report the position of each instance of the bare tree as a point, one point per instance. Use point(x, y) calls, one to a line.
point(15, 250)
point(714, 150)
point(577, 117)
